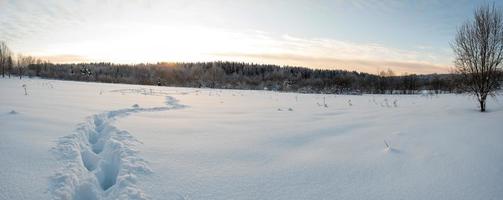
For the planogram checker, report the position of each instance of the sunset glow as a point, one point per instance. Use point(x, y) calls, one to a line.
point(179, 31)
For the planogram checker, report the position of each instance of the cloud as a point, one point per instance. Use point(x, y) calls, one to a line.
point(362, 65)
point(64, 58)
point(335, 54)
point(77, 31)
point(26, 25)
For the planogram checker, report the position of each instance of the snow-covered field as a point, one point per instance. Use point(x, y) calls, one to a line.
point(76, 140)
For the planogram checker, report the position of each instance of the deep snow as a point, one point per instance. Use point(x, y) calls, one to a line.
point(77, 140)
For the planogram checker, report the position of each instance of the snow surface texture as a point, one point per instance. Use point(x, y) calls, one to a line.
point(77, 140)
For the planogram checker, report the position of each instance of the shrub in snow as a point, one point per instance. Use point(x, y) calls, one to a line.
point(279, 109)
point(290, 109)
point(386, 102)
point(136, 106)
point(13, 112)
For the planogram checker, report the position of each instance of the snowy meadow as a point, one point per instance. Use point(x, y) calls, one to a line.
point(79, 140)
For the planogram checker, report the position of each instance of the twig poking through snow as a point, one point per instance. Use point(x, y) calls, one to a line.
point(388, 146)
point(25, 92)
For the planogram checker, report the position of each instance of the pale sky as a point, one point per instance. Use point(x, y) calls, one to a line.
point(405, 36)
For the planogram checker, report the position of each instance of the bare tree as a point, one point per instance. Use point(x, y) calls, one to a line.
point(10, 65)
point(478, 47)
point(23, 62)
point(20, 65)
point(4, 55)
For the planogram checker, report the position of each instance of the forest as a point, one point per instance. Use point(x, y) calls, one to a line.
point(236, 75)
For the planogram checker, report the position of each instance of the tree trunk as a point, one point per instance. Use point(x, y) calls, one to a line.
point(482, 105)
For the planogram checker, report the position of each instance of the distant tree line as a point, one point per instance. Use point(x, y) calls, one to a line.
point(236, 75)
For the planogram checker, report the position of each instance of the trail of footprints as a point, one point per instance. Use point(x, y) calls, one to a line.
point(104, 152)
point(108, 163)
point(102, 162)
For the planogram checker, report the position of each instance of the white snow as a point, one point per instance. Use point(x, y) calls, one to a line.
point(77, 140)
